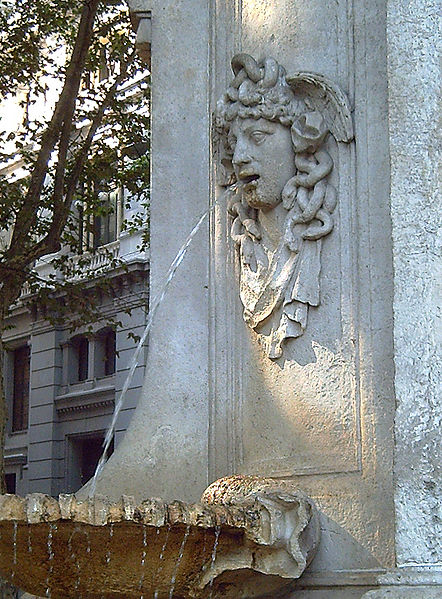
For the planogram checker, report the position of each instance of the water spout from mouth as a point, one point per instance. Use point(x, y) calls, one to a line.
point(135, 358)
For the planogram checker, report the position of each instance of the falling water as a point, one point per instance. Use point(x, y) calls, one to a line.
point(109, 546)
point(204, 544)
point(88, 552)
point(74, 558)
point(160, 565)
point(52, 529)
point(143, 560)
point(29, 539)
point(212, 565)
point(177, 565)
point(134, 361)
point(88, 546)
point(14, 542)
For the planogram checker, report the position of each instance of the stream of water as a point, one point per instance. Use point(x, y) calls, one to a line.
point(212, 564)
point(143, 560)
point(178, 562)
point(160, 565)
point(135, 358)
point(14, 557)
point(52, 530)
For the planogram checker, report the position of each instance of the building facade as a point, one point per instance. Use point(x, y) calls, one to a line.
point(61, 386)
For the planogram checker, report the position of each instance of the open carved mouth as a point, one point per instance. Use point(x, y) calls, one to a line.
point(246, 180)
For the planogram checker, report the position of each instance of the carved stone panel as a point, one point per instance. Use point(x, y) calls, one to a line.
point(285, 171)
point(276, 165)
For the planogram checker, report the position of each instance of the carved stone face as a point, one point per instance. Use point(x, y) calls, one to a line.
point(262, 160)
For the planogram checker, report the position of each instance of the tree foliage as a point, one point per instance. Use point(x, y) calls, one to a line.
point(71, 68)
point(75, 150)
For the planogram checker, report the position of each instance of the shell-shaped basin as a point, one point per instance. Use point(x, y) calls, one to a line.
point(98, 549)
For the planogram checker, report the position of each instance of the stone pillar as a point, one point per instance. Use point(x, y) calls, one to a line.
point(413, 93)
point(164, 452)
point(44, 457)
point(414, 78)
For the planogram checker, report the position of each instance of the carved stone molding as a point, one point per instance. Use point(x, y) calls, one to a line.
point(275, 168)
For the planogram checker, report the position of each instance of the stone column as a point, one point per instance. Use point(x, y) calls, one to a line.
point(164, 452)
point(414, 113)
point(413, 92)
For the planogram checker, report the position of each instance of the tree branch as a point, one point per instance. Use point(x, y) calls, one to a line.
point(27, 215)
point(61, 211)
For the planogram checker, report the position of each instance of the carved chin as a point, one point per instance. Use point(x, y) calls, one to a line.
point(256, 199)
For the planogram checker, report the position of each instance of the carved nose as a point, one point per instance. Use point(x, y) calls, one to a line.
point(241, 155)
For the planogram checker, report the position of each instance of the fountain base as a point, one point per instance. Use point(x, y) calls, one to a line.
point(248, 538)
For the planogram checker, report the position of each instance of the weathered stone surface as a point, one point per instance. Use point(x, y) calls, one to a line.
point(414, 114)
point(236, 543)
point(405, 593)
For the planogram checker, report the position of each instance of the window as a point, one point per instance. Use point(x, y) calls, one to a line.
point(80, 362)
point(105, 69)
point(105, 353)
point(102, 227)
point(85, 451)
point(106, 223)
point(109, 353)
point(90, 452)
point(11, 482)
point(20, 393)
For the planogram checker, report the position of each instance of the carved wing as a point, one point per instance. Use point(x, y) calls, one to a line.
point(328, 98)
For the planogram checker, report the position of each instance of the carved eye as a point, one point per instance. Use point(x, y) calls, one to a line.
point(258, 136)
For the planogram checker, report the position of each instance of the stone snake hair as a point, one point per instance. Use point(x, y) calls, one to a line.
point(260, 90)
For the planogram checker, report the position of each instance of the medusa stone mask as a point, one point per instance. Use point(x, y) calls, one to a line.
point(273, 130)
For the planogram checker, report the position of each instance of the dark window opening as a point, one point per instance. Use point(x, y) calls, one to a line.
point(98, 226)
point(20, 397)
point(80, 370)
point(11, 482)
point(82, 233)
point(91, 451)
point(109, 342)
point(86, 453)
point(106, 223)
point(83, 358)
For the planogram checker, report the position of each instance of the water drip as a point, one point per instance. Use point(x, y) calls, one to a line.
point(160, 565)
point(204, 543)
point(29, 539)
point(88, 548)
point(177, 565)
point(52, 529)
point(212, 565)
point(143, 560)
point(14, 542)
point(157, 301)
point(109, 547)
point(74, 558)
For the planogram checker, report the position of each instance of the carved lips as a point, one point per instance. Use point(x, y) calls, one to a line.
point(249, 182)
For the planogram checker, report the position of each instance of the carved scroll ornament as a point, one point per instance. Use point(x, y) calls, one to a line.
point(273, 129)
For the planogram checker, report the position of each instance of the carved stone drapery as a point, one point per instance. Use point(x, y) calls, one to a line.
point(276, 168)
